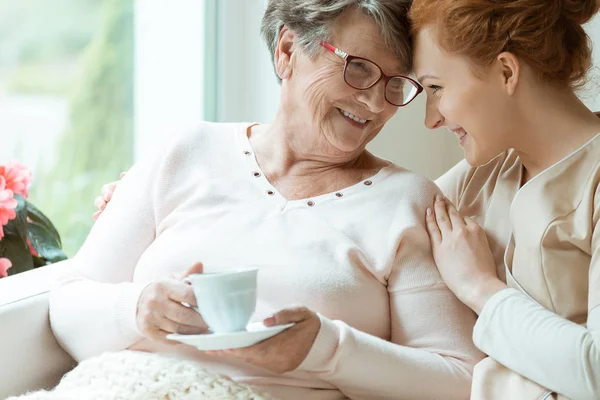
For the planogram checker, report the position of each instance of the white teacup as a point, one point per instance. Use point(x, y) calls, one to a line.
point(226, 300)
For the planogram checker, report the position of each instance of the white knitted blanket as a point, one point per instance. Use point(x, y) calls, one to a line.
point(132, 375)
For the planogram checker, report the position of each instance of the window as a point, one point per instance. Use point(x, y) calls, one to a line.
point(87, 87)
point(66, 101)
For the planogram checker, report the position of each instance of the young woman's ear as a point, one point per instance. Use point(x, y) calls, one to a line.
point(510, 66)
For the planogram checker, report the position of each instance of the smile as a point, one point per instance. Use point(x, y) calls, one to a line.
point(352, 117)
point(460, 133)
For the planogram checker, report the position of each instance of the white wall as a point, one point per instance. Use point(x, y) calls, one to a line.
point(591, 94)
point(249, 92)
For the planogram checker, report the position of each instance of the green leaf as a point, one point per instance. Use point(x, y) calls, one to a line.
point(45, 243)
point(11, 247)
point(18, 226)
point(36, 215)
point(39, 262)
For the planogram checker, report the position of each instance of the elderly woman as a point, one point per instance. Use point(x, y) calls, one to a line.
point(332, 228)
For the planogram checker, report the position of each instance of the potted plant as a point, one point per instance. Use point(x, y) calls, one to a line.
point(27, 237)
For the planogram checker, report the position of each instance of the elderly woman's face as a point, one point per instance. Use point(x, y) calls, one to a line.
point(345, 117)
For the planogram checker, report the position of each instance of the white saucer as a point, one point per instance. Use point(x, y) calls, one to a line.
point(256, 332)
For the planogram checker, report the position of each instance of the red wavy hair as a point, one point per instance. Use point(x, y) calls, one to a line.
point(546, 34)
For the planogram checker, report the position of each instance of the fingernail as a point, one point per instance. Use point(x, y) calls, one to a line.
point(269, 321)
point(429, 211)
point(438, 197)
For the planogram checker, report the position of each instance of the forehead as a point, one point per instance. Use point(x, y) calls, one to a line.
point(426, 51)
point(358, 34)
point(431, 59)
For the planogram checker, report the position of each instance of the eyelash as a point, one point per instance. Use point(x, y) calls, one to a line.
point(435, 88)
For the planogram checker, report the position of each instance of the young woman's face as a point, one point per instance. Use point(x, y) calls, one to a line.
point(473, 107)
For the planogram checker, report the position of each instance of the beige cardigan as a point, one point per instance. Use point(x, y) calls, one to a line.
point(545, 239)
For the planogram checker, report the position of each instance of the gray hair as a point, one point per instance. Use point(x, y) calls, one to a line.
point(312, 21)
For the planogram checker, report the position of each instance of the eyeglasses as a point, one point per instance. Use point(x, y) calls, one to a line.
point(363, 74)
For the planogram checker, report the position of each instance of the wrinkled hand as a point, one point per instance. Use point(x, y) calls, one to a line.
point(106, 194)
point(160, 312)
point(462, 254)
point(285, 351)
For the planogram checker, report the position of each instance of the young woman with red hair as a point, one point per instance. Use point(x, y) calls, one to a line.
point(518, 237)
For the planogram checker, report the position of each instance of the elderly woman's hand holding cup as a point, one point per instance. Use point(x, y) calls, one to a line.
point(227, 301)
point(160, 310)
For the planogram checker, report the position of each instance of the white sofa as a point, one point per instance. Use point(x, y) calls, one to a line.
point(30, 357)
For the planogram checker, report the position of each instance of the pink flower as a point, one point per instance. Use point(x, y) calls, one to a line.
point(5, 265)
point(18, 178)
point(8, 204)
point(32, 249)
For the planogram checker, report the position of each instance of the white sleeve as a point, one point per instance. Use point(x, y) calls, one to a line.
point(540, 345)
point(94, 310)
